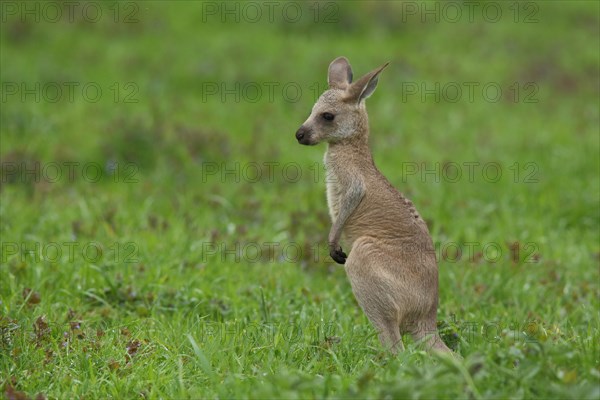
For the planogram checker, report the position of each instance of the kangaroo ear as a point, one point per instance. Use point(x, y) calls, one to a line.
point(339, 75)
point(365, 86)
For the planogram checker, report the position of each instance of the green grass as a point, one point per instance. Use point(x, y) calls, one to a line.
point(180, 304)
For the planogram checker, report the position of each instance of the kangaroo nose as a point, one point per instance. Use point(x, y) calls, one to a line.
point(300, 133)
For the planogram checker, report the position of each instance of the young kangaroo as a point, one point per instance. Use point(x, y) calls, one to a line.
point(392, 266)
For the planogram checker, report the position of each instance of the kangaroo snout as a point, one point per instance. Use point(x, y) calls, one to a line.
point(304, 135)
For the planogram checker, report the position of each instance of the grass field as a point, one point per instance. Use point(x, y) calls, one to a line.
point(163, 235)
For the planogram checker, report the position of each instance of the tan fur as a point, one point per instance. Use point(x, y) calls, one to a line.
point(391, 265)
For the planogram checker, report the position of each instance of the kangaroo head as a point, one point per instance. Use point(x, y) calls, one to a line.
point(340, 113)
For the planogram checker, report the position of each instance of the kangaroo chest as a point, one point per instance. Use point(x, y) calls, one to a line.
point(333, 182)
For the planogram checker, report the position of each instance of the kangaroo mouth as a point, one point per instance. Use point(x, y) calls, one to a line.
point(307, 141)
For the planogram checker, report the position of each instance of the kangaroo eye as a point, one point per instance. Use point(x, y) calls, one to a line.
point(328, 116)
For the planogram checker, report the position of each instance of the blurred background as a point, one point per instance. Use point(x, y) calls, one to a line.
point(169, 127)
point(174, 87)
point(174, 95)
